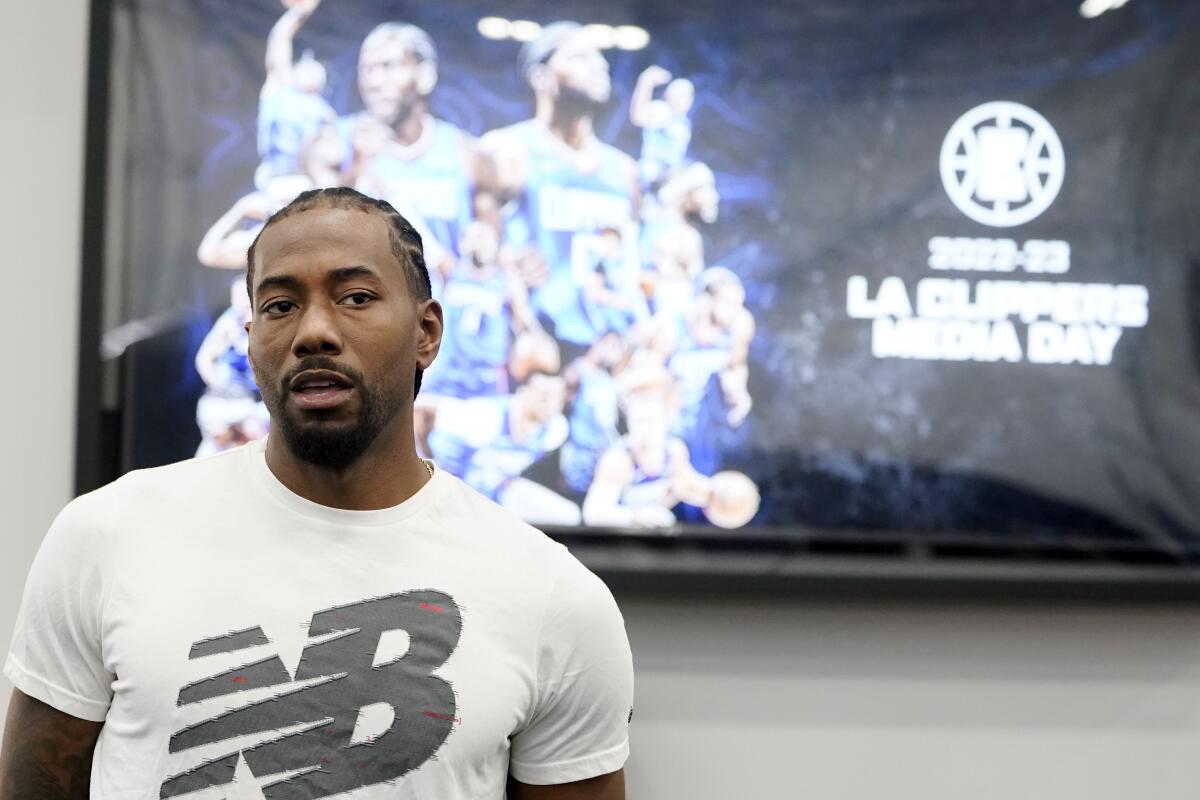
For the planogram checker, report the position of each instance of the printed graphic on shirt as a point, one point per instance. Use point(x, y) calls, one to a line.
point(311, 717)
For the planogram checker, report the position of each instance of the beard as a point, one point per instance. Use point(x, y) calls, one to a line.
point(332, 445)
point(575, 102)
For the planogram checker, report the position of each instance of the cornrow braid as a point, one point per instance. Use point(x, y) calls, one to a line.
point(405, 241)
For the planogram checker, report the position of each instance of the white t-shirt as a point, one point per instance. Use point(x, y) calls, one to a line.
point(231, 635)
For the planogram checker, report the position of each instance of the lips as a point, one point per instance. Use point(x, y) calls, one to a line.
point(320, 389)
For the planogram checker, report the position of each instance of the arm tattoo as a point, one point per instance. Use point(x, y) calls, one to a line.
point(47, 754)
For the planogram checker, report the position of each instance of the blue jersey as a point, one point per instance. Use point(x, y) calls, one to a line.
point(436, 184)
point(593, 426)
point(476, 336)
point(234, 377)
point(581, 320)
point(476, 444)
point(649, 488)
point(694, 364)
point(563, 207)
point(667, 146)
point(287, 120)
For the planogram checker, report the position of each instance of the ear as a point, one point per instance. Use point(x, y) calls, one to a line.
point(426, 78)
point(429, 335)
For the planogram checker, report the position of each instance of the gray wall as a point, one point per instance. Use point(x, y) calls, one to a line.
point(736, 698)
point(43, 61)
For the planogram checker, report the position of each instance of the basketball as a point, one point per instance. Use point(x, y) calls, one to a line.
point(734, 500)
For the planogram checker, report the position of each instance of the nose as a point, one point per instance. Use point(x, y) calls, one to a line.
point(317, 332)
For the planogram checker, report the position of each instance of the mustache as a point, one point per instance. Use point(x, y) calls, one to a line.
point(320, 362)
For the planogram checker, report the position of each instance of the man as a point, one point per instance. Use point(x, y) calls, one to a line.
point(666, 124)
point(396, 150)
point(230, 412)
point(322, 612)
point(566, 185)
point(291, 109)
point(647, 472)
point(592, 389)
point(711, 338)
point(224, 243)
point(483, 305)
point(490, 441)
point(671, 241)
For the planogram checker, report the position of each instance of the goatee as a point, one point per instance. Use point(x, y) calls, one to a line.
point(332, 446)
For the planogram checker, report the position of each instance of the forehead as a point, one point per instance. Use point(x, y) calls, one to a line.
point(574, 46)
point(321, 239)
point(386, 46)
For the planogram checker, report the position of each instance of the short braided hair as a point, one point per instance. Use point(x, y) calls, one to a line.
point(405, 241)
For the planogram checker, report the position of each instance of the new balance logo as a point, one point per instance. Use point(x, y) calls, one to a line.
point(338, 677)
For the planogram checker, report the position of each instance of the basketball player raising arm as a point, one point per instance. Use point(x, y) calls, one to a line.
point(278, 61)
point(224, 244)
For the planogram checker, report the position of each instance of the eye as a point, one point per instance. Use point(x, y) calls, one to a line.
point(358, 298)
point(278, 307)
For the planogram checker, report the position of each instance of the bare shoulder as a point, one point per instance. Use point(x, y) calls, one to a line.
point(47, 755)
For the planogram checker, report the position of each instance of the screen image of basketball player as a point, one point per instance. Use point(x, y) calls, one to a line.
point(785, 271)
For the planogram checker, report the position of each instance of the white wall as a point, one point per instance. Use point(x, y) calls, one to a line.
point(867, 701)
point(43, 58)
point(737, 699)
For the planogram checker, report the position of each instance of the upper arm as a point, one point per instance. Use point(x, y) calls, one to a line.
point(578, 726)
point(602, 787)
point(47, 755)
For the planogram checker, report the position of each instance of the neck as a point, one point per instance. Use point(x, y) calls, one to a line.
point(572, 127)
point(385, 475)
point(409, 129)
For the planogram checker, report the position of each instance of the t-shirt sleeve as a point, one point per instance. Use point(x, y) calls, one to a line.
point(56, 653)
point(579, 727)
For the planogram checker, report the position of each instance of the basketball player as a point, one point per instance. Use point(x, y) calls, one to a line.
point(671, 241)
point(230, 411)
point(320, 614)
point(224, 244)
point(666, 124)
point(593, 393)
point(605, 294)
point(397, 151)
point(490, 441)
point(565, 185)
point(483, 306)
point(648, 471)
point(291, 109)
point(710, 338)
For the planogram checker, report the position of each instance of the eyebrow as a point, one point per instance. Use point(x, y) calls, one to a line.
point(346, 273)
point(338, 275)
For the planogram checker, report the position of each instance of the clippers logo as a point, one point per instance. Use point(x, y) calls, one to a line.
point(310, 719)
point(1002, 164)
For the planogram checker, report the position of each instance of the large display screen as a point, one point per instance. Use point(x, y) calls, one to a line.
point(871, 269)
